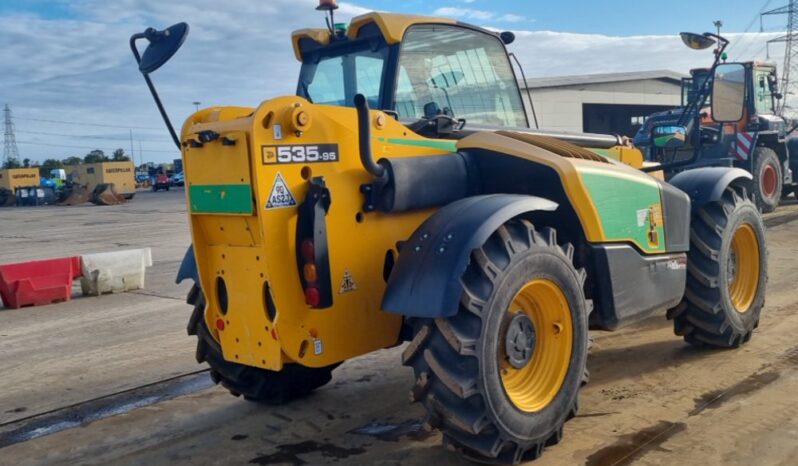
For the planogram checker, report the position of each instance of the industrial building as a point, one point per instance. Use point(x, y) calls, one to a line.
point(613, 103)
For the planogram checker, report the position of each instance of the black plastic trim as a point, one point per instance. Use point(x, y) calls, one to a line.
point(628, 286)
point(705, 185)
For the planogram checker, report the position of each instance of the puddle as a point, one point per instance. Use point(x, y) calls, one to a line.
point(750, 384)
point(411, 429)
point(289, 454)
point(83, 413)
point(630, 447)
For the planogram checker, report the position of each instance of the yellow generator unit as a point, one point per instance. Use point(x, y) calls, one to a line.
point(121, 174)
point(400, 197)
point(13, 178)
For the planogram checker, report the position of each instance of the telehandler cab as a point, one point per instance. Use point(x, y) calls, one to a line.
point(400, 196)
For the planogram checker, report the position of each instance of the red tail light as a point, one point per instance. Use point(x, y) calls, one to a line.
point(312, 296)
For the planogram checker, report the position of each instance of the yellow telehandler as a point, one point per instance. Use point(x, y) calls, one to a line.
point(400, 196)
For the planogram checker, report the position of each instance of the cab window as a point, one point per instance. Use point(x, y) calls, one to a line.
point(334, 77)
point(762, 92)
point(461, 72)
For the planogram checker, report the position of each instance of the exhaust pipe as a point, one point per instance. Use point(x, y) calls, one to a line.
point(364, 138)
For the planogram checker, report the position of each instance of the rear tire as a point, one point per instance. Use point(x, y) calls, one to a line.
point(767, 179)
point(255, 384)
point(727, 274)
point(490, 405)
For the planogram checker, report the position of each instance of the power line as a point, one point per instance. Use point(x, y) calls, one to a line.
point(91, 147)
point(78, 123)
point(87, 136)
point(748, 28)
point(791, 47)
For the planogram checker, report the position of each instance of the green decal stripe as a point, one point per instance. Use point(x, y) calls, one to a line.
point(451, 146)
point(619, 200)
point(602, 152)
point(221, 198)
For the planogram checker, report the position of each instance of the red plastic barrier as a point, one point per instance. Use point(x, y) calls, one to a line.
point(38, 282)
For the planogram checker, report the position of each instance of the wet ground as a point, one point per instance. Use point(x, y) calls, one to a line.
point(112, 380)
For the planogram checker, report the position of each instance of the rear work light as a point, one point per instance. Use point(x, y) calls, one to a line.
point(312, 258)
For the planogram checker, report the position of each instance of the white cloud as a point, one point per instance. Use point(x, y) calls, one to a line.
point(469, 13)
point(510, 18)
point(478, 15)
point(238, 53)
point(547, 53)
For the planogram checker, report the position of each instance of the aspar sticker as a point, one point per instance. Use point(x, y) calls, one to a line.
point(348, 283)
point(277, 131)
point(317, 346)
point(280, 196)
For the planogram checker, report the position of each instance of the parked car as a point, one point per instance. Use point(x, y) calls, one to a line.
point(161, 182)
point(177, 179)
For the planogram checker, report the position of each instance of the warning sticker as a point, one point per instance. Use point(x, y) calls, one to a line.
point(642, 215)
point(280, 196)
point(348, 283)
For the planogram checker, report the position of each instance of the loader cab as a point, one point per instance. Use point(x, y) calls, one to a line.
point(418, 69)
point(691, 86)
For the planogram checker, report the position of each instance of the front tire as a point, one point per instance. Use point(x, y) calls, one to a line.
point(254, 383)
point(727, 274)
point(767, 179)
point(501, 377)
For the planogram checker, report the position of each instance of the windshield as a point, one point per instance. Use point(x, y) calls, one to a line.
point(458, 71)
point(336, 78)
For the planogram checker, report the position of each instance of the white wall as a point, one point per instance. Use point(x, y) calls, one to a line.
point(560, 108)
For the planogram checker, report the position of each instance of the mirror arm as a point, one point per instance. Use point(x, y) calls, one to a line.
point(694, 110)
point(154, 93)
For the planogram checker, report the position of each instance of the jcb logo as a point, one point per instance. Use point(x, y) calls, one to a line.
point(23, 175)
point(307, 153)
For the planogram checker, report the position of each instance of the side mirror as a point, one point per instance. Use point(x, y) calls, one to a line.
point(669, 137)
point(696, 41)
point(163, 45)
point(728, 93)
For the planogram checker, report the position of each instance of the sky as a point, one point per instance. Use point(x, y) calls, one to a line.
point(72, 84)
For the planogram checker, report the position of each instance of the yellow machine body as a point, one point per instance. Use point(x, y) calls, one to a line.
point(249, 246)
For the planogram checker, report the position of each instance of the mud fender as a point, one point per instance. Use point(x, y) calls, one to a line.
point(705, 185)
point(426, 279)
point(188, 268)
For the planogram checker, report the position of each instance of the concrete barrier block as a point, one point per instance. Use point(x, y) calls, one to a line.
point(114, 272)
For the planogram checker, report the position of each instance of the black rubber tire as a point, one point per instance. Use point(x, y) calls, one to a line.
point(255, 384)
point(706, 315)
point(456, 359)
point(764, 156)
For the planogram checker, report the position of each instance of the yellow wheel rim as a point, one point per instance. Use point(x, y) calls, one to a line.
point(533, 386)
point(743, 268)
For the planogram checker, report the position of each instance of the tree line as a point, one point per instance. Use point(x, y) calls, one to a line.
point(49, 164)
